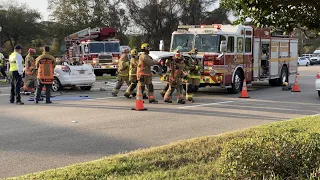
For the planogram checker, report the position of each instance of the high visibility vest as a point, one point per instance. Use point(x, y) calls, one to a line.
point(13, 62)
point(45, 71)
point(1, 60)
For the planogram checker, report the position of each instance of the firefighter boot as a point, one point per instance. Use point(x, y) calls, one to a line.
point(181, 101)
point(134, 94)
point(127, 96)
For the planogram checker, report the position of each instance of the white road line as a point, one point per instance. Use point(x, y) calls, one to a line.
point(4, 94)
point(199, 105)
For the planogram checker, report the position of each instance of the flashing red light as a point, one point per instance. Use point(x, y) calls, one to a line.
point(318, 75)
point(218, 26)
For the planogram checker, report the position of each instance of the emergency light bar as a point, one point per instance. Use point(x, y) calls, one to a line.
point(217, 26)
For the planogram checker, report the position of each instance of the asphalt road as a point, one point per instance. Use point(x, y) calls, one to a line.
point(40, 137)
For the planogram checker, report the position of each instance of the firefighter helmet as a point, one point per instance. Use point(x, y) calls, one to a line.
point(133, 52)
point(178, 54)
point(145, 46)
point(124, 51)
point(30, 50)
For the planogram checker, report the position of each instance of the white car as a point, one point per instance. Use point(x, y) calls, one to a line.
point(302, 61)
point(317, 83)
point(67, 75)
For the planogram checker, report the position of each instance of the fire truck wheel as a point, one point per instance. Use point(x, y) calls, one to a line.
point(56, 85)
point(98, 73)
point(237, 83)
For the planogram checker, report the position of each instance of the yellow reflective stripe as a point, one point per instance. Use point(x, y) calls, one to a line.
point(127, 63)
point(193, 76)
point(197, 68)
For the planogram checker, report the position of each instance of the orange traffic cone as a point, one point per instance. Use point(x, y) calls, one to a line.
point(244, 92)
point(296, 87)
point(139, 101)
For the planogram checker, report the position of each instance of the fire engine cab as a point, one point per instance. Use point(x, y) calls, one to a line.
point(98, 47)
point(231, 54)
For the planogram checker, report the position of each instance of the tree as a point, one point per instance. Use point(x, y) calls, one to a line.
point(217, 16)
point(19, 23)
point(283, 14)
point(75, 15)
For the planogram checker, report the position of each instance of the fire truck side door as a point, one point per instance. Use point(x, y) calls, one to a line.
point(293, 56)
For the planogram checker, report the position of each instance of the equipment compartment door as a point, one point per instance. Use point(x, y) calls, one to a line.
point(293, 57)
point(274, 60)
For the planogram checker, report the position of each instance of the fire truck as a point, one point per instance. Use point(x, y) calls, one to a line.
point(231, 54)
point(96, 46)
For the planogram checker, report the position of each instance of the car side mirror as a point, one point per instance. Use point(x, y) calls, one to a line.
point(223, 46)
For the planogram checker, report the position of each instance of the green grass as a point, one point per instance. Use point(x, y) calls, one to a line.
point(281, 150)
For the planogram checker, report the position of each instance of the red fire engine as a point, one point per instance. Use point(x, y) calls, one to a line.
point(231, 54)
point(98, 47)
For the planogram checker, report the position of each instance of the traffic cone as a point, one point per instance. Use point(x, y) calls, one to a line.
point(139, 101)
point(244, 92)
point(296, 87)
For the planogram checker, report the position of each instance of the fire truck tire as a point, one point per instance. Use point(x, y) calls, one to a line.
point(278, 81)
point(237, 83)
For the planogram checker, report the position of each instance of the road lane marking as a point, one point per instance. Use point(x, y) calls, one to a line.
point(4, 94)
point(209, 104)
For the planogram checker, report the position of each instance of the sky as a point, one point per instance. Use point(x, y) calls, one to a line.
point(42, 5)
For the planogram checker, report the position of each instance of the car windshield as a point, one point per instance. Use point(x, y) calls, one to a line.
point(302, 59)
point(96, 47)
point(183, 42)
point(316, 55)
point(112, 47)
point(207, 43)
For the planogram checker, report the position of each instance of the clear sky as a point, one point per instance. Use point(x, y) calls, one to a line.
point(42, 5)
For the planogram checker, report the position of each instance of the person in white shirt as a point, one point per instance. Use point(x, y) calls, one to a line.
point(16, 70)
point(3, 66)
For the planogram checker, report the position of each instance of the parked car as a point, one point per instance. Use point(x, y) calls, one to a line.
point(317, 83)
point(303, 61)
point(67, 75)
point(315, 58)
point(159, 55)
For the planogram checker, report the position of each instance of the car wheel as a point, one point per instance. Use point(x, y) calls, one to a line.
point(307, 64)
point(297, 64)
point(87, 88)
point(319, 93)
point(56, 85)
point(237, 83)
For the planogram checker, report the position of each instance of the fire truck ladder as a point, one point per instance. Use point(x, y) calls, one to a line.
point(85, 34)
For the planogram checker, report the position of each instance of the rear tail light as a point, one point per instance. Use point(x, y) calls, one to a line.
point(65, 68)
point(318, 75)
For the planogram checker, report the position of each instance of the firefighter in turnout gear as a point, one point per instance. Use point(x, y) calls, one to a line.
point(30, 70)
point(144, 72)
point(133, 75)
point(165, 77)
point(176, 66)
point(193, 77)
point(123, 72)
point(45, 65)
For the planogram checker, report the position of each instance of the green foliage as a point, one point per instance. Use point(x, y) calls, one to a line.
point(285, 15)
point(285, 150)
point(19, 23)
point(55, 48)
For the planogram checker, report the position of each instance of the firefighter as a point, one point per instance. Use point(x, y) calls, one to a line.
point(3, 67)
point(176, 66)
point(123, 72)
point(16, 70)
point(45, 65)
point(165, 77)
point(31, 74)
point(193, 76)
point(144, 72)
point(133, 75)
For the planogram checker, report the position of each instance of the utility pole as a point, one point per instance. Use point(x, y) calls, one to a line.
point(0, 37)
